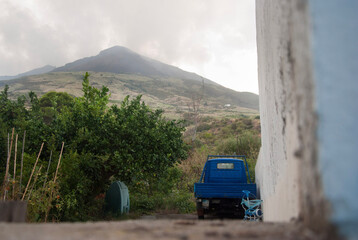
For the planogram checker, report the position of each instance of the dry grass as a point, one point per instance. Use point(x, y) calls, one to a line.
point(193, 166)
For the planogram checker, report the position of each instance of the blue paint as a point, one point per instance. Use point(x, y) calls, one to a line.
point(213, 174)
point(223, 182)
point(335, 54)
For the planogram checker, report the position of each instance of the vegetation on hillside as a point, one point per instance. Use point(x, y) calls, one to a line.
point(168, 93)
point(128, 142)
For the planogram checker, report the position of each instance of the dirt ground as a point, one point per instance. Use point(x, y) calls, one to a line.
point(182, 227)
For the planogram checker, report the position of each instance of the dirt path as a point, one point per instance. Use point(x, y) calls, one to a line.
point(182, 229)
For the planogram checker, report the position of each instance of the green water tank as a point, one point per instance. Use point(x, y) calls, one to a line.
point(117, 198)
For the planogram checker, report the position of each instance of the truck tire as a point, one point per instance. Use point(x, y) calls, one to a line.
point(200, 210)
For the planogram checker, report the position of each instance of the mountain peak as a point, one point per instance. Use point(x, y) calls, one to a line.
point(119, 59)
point(116, 50)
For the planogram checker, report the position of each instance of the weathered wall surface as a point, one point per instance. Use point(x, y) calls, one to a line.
point(287, 169)
point(308, 68)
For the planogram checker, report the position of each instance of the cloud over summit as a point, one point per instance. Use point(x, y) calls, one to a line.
point(205, 36)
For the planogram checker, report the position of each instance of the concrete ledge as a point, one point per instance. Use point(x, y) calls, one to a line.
point(13, 211)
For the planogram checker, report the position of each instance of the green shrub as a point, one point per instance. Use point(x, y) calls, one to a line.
point(173, 202)
point(203, 127)
point(247, 144)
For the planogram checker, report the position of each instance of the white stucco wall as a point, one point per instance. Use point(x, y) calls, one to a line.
point(286, 108)
point(308, 70)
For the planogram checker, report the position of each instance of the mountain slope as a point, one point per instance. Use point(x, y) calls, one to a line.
point(127, 73)
point(124, 61)
point(171, 94)
point(36, 71)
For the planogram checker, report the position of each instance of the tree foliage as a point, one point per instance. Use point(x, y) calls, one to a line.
point(130, 142)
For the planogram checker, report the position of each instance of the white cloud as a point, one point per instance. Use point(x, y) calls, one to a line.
point(214, 38)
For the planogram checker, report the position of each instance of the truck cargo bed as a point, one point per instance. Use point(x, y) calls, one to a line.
point(223, 190)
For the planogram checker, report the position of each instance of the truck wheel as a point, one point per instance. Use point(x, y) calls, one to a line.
point(200, 211)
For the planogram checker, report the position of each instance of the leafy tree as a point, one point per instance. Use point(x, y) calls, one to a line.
point(12, 113)
point(130, 142)
point(53, 103)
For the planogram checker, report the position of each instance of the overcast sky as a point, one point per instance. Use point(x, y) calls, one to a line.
point(213, 38)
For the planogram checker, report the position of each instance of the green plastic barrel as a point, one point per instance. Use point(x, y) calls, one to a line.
point(117, 198)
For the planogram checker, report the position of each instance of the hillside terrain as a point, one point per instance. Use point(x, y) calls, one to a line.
point(125, 72)
point(36, 71)
point(122, 60)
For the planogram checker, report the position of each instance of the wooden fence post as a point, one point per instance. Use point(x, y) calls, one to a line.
point(22, 159)
point(14, 177)
point(28, 183)
point(7, 165)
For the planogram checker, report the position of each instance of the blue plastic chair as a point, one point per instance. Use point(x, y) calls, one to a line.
point(252, 206)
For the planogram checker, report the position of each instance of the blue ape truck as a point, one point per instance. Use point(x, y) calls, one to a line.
point(221, 186)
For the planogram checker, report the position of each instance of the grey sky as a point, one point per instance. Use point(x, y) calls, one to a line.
point(214, 38)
